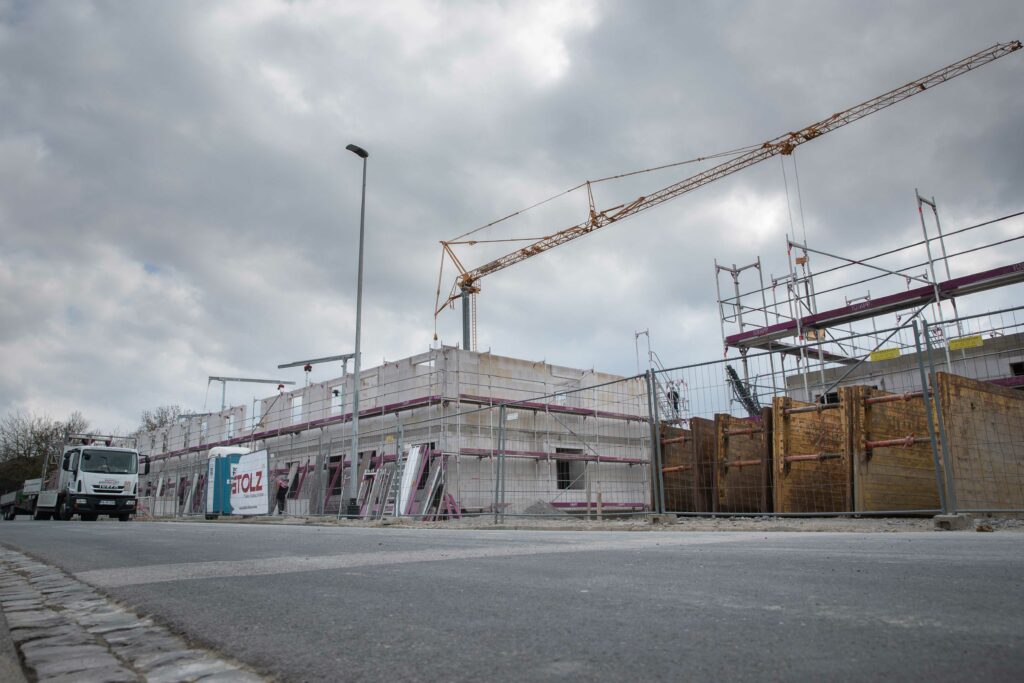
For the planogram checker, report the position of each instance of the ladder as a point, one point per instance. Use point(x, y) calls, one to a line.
point(391, 502)
point(669, 410)
point(374, 505)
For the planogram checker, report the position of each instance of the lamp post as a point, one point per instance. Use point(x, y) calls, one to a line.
point(351, 486)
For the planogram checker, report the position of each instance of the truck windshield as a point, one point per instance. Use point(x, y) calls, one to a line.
point(114, 462)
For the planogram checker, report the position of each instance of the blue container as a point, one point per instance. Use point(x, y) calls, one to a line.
point(218, 474)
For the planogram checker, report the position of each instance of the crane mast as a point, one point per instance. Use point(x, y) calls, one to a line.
point(467, 282)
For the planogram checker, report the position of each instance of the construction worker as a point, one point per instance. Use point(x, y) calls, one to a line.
point(282, 493)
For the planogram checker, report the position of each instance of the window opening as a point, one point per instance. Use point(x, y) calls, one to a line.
point(337, 399)
point(569, 472)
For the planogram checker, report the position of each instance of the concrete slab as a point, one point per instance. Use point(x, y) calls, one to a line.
point(958, 522)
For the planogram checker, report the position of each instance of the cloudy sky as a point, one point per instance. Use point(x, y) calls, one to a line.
point(176, 200)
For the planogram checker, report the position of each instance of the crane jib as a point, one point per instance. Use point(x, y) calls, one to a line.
point(783, 144)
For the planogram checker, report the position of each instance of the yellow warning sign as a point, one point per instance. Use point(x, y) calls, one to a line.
point(885, 354)
point(972, 342)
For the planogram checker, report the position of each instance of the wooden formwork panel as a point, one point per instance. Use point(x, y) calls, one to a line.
point(704, 447)
point(810, 459)
point(688, 466)
point(985, 437)
point(892, 476)
point(744, 459)
point(677, 468)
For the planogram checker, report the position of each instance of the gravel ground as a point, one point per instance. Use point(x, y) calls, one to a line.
point(640, 523)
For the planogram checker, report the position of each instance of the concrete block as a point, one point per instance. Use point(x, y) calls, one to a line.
point(958, 522)
point(663, 519)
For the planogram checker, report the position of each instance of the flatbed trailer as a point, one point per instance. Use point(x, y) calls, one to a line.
point(20, 502)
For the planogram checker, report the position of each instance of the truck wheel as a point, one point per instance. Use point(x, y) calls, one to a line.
point(7, 515)
point(88, 516)
point(64, 512)
point(124, 517)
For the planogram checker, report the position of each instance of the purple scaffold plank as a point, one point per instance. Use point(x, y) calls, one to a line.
point(549, 407)
point(604, 505)
point(302, 426)
point(958, 286)
point(544, 455)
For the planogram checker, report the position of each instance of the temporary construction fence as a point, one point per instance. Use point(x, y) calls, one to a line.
point(935, 426)
point(860, 434)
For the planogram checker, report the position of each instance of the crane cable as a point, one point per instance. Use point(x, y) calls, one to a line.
point(461, 239)
point(717, 155)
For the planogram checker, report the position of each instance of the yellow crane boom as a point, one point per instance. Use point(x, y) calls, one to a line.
point(466, 282)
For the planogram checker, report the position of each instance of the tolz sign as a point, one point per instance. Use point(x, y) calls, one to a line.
point(249, 482)
point(249, 489)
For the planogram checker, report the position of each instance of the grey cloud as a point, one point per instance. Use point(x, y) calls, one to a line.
point(205, 141)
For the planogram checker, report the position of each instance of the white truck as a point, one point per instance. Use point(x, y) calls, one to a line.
point(94, 475)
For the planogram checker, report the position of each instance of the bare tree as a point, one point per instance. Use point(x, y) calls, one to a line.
point(161, 416)
point(26, 440)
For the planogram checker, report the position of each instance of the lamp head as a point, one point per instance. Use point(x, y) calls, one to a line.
point(358, 151)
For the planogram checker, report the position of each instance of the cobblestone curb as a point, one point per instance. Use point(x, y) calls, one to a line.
point(65, 630)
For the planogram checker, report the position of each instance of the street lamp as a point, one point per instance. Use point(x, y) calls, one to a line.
point(351, 490)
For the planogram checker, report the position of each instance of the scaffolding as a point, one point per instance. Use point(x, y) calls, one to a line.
point(828, 319)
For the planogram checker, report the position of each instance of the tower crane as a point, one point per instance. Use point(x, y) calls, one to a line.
point(467, 285)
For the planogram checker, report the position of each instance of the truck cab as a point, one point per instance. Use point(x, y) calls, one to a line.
point(94, 478)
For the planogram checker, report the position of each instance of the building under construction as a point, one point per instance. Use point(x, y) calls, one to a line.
point(559, 439)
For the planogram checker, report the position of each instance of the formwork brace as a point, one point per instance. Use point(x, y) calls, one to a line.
point(811, 457)
point(677, 468)
point(675, 439)
point(744, 432)
point(868, 401)
point(816, 408)
point(905, 442)
point(893, 398)
point(741, 463)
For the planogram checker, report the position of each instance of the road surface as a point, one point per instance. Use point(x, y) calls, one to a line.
point(400, 604)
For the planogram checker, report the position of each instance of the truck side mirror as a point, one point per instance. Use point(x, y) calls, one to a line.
point(145, 465)
point(66, 463)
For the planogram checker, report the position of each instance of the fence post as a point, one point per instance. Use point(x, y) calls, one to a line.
point(314, 491)
point(499, 465)
point(502, 479)
point(657, 482)
point(944, 443)
point(925, 390)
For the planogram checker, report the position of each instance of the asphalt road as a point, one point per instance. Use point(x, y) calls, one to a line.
point(329, 603)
